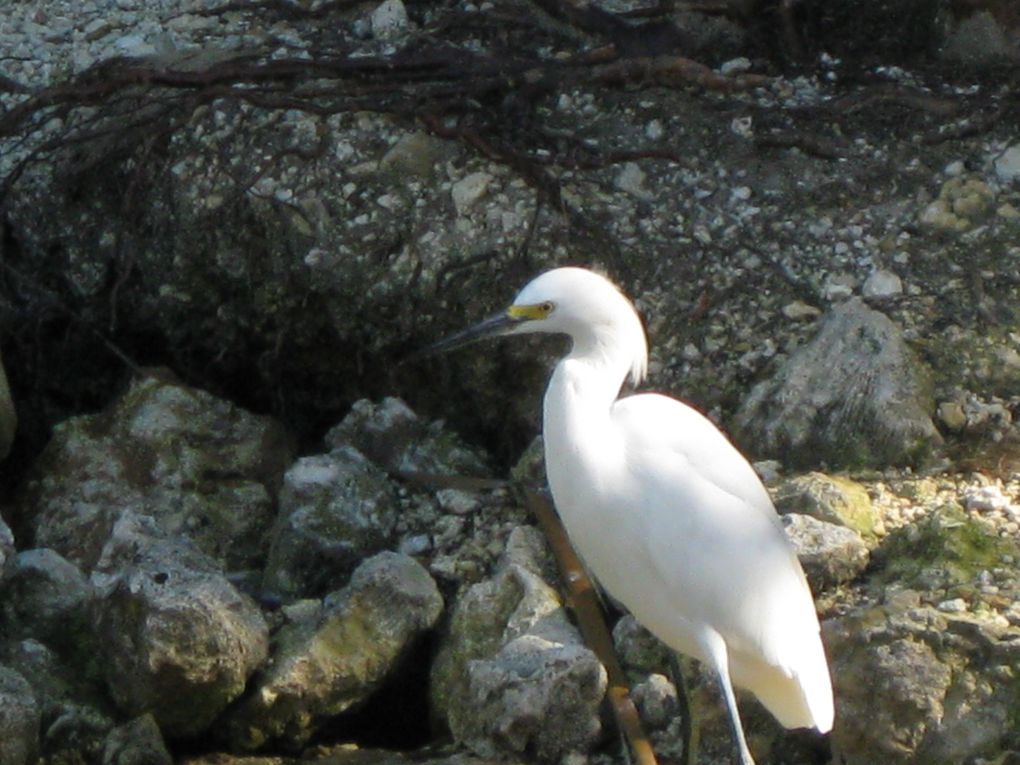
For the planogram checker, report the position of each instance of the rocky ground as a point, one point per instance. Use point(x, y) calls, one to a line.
point(224, 228)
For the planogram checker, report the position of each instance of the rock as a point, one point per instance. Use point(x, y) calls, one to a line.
point(855, 395)
point(414, 154)
point(914, 685)
point(389, 19)
point(833, 499)
point(980, 39)
point(47, 598)
point(19, 719)
point(882, 284)
point(336, 510)
point(137, 742)
point(8, 414)
point(468, 190)
point(831, 555)
point(961, 204)
point(199, 465)
point(176, 639)
point(631, 180)
point(946, 550)
point(656, 700)
point(7, 551)
point(72, 702)
point(1007, 168)
point(394, 437)
point(513, 678)
point(324, 665)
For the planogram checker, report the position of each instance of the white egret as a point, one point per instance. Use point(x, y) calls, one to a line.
point(668, 516)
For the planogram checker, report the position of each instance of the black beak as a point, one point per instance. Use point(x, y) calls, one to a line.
point(494, 326)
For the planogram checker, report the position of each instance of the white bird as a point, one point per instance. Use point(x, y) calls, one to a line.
point(665, 512)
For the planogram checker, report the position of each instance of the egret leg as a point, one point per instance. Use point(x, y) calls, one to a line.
point(715, 647)
point(683, 709)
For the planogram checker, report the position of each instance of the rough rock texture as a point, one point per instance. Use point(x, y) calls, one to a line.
point(7, 551)
point(918, 686)
point(833, 499)
point(176, 639)
point(831, 555)
point(137, 742)
point(513, 676)
point(47, 598)
point(19, 719)
point(336, 510)
point(73, 702)
point(197, 464)
point(334, 658)
point(854, 396)
point(393, 436)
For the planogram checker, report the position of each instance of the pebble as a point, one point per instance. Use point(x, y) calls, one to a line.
point(1007, 164)
point(389, 20)
point(468, 190)
point(882, 284)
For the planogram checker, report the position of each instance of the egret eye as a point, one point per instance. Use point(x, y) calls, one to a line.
point(547, 307)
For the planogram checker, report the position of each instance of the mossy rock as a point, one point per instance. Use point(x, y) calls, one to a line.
point(946, 549)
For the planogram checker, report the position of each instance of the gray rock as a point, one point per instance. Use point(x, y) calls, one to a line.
point(853, 396)
point(47, 598)
point(137, 742)
point(73, 702)
point(8, 414)
point(833, 499)
point(831, 555)
point(324, 665)
point(513, 677)
point(914, 685)
point(395, 438)
point(176, 638)
point(336, 510)
point(7, 551)
point(19, 719)
point(199, 465)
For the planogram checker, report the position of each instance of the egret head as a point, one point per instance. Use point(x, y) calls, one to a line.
point(575, 302)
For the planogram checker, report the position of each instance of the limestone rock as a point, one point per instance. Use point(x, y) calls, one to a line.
point(855, 395)
point(325, 664)
point(199, 465)
point(336, 510)
point(914, 685)
point(19, 719)
point(513, 677)
point(137, 742)
point(176, 638)
point(833, 499)
point(394, 437)
point(831, 555)
point(47, 598)
point(7, 551)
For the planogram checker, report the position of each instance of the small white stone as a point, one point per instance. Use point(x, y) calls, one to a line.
point(389, 19)
point(954, 606)
point(468, 190)
point(735, 66)
point(954, 168)
point(1007, 165)
point(799, 310)
point(882, 284)
point(631, 179)
point(654, 130)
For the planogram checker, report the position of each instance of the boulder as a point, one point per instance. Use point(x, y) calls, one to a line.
point(329, 660)
point(854, 396)
point(513, 677)
point(19, 719)
point(198, 465)
point(176, 638)
point(336, 510)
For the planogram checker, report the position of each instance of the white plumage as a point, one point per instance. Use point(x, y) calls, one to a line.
point(666, 513)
